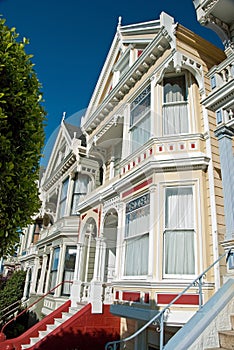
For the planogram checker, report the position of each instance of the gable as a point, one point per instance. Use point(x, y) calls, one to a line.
point(62, 147)
point(128, 44)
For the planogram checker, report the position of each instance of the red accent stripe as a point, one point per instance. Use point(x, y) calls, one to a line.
point(131, 296)
point(146, 298)
point(138, 187)
point(186, 299)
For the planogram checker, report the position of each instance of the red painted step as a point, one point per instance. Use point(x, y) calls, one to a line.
point(82, 331)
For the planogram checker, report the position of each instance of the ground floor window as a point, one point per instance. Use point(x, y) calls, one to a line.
point(54, 269)
point(69, 267)
point(137, 236)
point(179, 233)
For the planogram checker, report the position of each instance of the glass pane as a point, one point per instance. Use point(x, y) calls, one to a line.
point(179, 252)
point(136, 256)
point(179, 211)
point(55, 259)
point(174, 89)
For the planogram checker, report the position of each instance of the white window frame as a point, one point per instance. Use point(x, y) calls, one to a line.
point(165, 229)
point(128, 238)
point(176, 103)
point(145, 114)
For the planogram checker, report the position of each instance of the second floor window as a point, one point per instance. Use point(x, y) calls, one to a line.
point(81, 187)
point(140, 125)
point(175, 111)
point(63, 198)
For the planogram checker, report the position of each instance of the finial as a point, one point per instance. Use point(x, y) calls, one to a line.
point(120, 20)
point(64, 116)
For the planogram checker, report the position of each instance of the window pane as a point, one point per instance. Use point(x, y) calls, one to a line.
point(174, 89)
point(140, 119)
point(55, 259)
point(175, 111)
point(179, 252)
point(175, 119)
point(179, 231)
point(179, 208)
point(137, 236)
point(136, 256)
point(140, 133)
point(80, 189)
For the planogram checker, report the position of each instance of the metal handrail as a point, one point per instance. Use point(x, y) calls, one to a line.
point(29, 307)
point(160, 316)
point(11, 309)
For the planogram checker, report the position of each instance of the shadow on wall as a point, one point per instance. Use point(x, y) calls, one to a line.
point(78, 340)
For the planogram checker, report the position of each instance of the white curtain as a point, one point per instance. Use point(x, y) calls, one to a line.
point(68, 276)
point(137, 242)
point(179, 231)
point(175, 111)
point(175, 119)
point(136, 256)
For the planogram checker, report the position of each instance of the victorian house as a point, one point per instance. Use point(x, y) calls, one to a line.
point(134, 211)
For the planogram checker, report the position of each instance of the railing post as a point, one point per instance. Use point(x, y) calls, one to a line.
point(161, 329)
point(200, 292)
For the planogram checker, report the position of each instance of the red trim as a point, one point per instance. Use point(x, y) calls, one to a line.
point(117, 295)
point(83, 216)
point(131, 296)
point(138, 187)
point(146, 298)
point(186, 299)
point(193, 145)
point(95, 210)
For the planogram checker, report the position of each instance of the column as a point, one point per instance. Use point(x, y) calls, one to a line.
point(76, 286)
point(26, 285)
point(225, 136)
point(152, 229)
point(59, 279)
point(34, 275)
point(42, 277)
point(96, 288)
point(119, 242)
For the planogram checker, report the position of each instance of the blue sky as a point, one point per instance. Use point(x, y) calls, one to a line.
point(70, 40)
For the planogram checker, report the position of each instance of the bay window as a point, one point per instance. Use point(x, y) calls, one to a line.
point(140, 125)
point(175, 109)
point(179, 233)
point(137, 236)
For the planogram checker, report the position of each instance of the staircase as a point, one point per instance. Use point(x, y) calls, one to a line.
point(226, 338)
point(57, 323)
point(68, 328)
